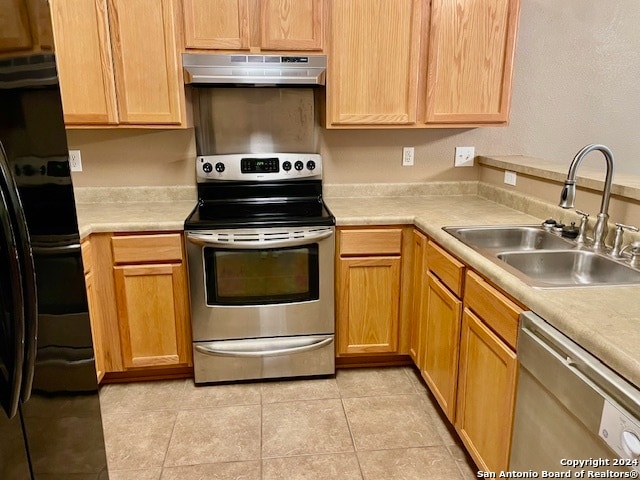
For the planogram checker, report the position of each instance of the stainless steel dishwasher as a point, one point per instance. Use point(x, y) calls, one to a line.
point(572, 412)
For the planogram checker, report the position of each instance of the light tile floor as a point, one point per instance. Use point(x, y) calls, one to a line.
point(364, 424)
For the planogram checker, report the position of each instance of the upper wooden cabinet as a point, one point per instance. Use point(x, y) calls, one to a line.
point(25, 27)
point(420, 63)
point(471, 47)
point(126, 69)
point(374, 62)
point(253, 24)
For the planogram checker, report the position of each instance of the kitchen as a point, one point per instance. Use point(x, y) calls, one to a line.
point(357, 161)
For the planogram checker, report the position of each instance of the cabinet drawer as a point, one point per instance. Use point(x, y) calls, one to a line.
point(495, 309)
point(371, 241)
point(147, 248)
point(446, 267)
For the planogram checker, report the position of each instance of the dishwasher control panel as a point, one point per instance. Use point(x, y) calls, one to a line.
point(622, 433)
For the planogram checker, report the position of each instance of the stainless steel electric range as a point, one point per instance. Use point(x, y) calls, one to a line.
point(260, 246)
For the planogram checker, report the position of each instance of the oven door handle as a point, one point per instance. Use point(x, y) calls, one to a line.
point(268, 347)
point(293, 241)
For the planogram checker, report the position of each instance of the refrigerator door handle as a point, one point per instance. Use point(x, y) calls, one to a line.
point(17, 327)
point(28, 274)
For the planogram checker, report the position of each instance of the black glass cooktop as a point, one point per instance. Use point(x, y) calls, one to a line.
point(249, 205)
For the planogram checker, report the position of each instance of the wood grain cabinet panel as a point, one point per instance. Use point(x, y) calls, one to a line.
point(146, 63)
point(255, 25)
point(471, 48)
point(153, 314)
point(418, 306)
point(442, 343)
point(368, 308)
point(291, 24)
point(374, 62)
point(216, 24)
point(486, 394)
point(85, 68)
point(126, 70)
point(15, 26)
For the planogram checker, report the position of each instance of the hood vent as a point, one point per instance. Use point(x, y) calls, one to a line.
point(257, 70)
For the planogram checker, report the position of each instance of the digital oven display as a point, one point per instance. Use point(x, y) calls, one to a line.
point(260, 165)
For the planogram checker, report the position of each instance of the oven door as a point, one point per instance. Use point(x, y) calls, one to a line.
point(249, 283)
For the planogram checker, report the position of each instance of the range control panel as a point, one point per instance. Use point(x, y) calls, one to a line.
point(259, 167)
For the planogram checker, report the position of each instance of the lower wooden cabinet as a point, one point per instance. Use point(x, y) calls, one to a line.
point(486, 394)
point(441, 339)
point(372, 306)
point(418, 305)
point(487, 373)
point(369, 305)
point(152, 312)
point(139, 303)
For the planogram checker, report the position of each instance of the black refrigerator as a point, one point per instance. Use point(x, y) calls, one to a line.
point(50, 420)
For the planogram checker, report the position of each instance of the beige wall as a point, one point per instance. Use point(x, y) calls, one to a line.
point(575, 82)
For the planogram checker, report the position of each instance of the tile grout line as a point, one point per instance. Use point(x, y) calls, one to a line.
point(175, 422)
point(353, 439)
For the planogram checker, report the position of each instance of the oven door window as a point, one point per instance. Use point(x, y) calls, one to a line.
point(257, 277)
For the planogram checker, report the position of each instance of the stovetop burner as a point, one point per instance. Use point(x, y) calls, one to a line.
point(259, 190)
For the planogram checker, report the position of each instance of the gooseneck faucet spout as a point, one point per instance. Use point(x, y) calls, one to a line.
point(568, 195)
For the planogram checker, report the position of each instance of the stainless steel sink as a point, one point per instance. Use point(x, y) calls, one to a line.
point(566, 268)
point(543, 259)
point(517, 237)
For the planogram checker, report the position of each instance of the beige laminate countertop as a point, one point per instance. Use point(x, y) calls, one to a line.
point(603, 320)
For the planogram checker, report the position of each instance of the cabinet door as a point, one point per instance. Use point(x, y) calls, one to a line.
point(471, 48)
point(85, 68)
point(152, 311)
point(216, 24)
point(145, 55)
point(374, 62)
point(416, 347)
point(291, 24)
point(15, 26)
point(368, 305)
point(94, 315)
point(442, 341)
point(486, 394)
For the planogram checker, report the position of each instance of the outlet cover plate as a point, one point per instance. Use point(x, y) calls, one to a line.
point(510, 177)
point(75, 161)
point(464, 156)
point(407, 156)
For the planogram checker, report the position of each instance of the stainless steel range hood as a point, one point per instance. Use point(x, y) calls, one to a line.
point(258, 70)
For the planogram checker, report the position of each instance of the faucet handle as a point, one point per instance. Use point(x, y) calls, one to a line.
point(634, 261)
point(582, 230)
point(618, 240)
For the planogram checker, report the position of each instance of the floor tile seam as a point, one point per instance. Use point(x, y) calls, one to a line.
point(301, 400)
point(166, 452)
point(128, 412)
point(411, 376)
point(301, 455)
point(224, 405)
point(349, 427)
point(376, 395)
point(414, 447)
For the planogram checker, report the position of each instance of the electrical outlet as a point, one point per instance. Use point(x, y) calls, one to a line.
point(510, 177)
point(75, 161)
point(464, 156)
point(407, 156)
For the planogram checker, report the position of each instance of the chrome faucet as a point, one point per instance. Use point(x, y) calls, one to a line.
point(568, 195)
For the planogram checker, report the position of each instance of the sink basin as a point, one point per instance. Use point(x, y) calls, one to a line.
point(517, 237)
point(543, 259)
point(565, 268)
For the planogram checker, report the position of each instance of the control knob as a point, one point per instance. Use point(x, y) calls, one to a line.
point(207, 167)
point(631, 444)
point(298, 165)
point(286, 165)
point(219, 167)
point(311, 165)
